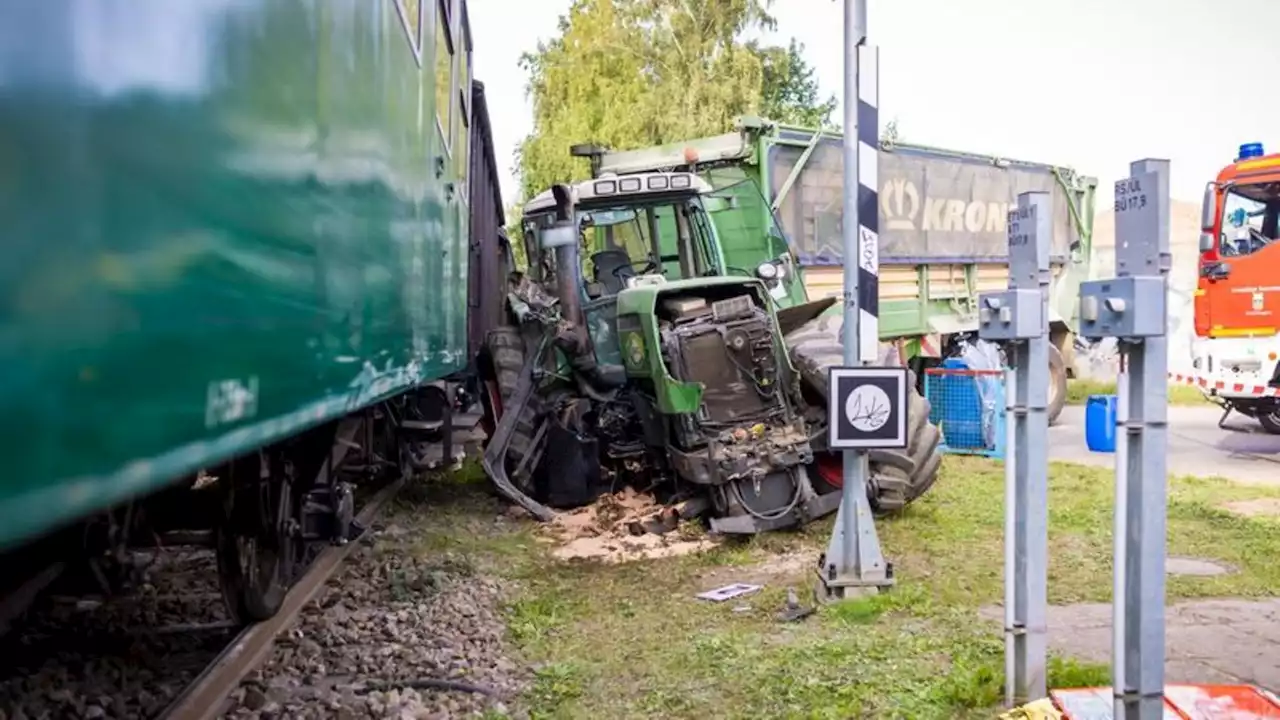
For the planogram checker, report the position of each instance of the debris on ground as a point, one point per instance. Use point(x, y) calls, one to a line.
point(729, 592)
point(793, 611)
point(625, 526)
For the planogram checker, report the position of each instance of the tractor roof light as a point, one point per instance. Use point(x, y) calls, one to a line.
point(767, 271)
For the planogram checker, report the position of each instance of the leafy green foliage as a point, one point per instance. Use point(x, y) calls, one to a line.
point(789, 93)
point(515, 235)
point(630, 73)
point(636, 73)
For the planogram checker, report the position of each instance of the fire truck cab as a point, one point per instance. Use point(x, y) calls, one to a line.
point(1236, 351)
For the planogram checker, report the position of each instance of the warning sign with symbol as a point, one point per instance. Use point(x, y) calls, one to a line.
point(867, 407)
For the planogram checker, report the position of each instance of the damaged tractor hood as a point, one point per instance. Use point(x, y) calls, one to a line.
point(643, 298)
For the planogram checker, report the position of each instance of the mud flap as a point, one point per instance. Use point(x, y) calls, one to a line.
point(570, 476)
point(495, 455)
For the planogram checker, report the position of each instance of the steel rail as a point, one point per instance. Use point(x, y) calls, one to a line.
point(205, 698)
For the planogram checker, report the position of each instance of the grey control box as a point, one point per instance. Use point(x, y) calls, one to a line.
point(1124, 307)
point(1016, 314)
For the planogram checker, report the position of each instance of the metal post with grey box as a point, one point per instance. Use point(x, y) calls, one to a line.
point(1018, 318)
point(1132, 307)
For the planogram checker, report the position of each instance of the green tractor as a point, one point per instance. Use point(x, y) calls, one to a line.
point(634, 355)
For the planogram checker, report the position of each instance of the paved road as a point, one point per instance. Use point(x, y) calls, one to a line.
point(1197, 446)
point(1207, 641)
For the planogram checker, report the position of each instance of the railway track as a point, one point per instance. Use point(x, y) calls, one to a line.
point(207, 696)
point(166, 646)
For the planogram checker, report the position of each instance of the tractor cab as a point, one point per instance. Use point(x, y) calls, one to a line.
point(634, 231)
point(657, 226)
point(642, 230)
point(635, 227)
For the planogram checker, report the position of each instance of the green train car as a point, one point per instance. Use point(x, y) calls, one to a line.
point(236, 247)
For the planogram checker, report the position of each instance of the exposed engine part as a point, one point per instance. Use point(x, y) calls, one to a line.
point(685, 308)
point(627, 457)
point(730, 351)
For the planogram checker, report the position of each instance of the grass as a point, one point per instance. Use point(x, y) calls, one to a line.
point(1079, 390)
point(630, 641)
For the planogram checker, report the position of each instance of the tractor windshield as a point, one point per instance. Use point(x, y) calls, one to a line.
point(1249, 219)
point(672, 238)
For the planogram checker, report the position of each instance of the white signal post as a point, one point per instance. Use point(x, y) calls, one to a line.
point(853, 562)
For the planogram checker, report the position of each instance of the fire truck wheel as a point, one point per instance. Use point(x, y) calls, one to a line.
point(1270, 421)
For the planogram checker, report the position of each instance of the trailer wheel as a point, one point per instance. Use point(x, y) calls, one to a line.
point(1057, 384)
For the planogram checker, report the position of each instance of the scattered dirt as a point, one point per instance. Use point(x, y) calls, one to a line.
point(1262, 507)
point(611, 530)
point(787, 568)
point(1195, 566)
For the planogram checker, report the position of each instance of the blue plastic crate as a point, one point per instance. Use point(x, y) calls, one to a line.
point(968, 406)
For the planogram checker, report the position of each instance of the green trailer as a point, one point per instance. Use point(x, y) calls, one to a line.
point(942, 226)
point(235, 233)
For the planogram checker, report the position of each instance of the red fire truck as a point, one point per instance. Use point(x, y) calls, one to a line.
point(1236, 352)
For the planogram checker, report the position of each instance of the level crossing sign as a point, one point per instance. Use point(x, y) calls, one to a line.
point(867, 408)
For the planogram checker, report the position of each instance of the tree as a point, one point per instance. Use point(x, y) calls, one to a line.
point(634, 73)
point(892, 134)
point(789, 92)
point(515, 235)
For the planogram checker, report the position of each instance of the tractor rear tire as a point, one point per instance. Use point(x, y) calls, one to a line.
point(506, 350)
point(898, 477)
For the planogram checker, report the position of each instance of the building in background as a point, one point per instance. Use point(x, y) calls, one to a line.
point(1184, 235)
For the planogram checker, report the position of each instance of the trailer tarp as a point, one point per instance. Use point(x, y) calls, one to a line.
point(933, 207)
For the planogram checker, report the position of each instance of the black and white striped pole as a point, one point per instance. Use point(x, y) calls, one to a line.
point(853, 563)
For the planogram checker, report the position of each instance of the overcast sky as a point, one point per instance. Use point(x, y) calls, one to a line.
point(1092, 84)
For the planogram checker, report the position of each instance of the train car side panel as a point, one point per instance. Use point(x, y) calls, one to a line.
point(490, 253)
point(224, 221)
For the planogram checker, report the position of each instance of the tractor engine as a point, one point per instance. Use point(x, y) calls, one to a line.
point(746, 441)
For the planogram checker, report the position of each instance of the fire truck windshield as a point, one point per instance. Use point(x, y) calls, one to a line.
point(1249, 219)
